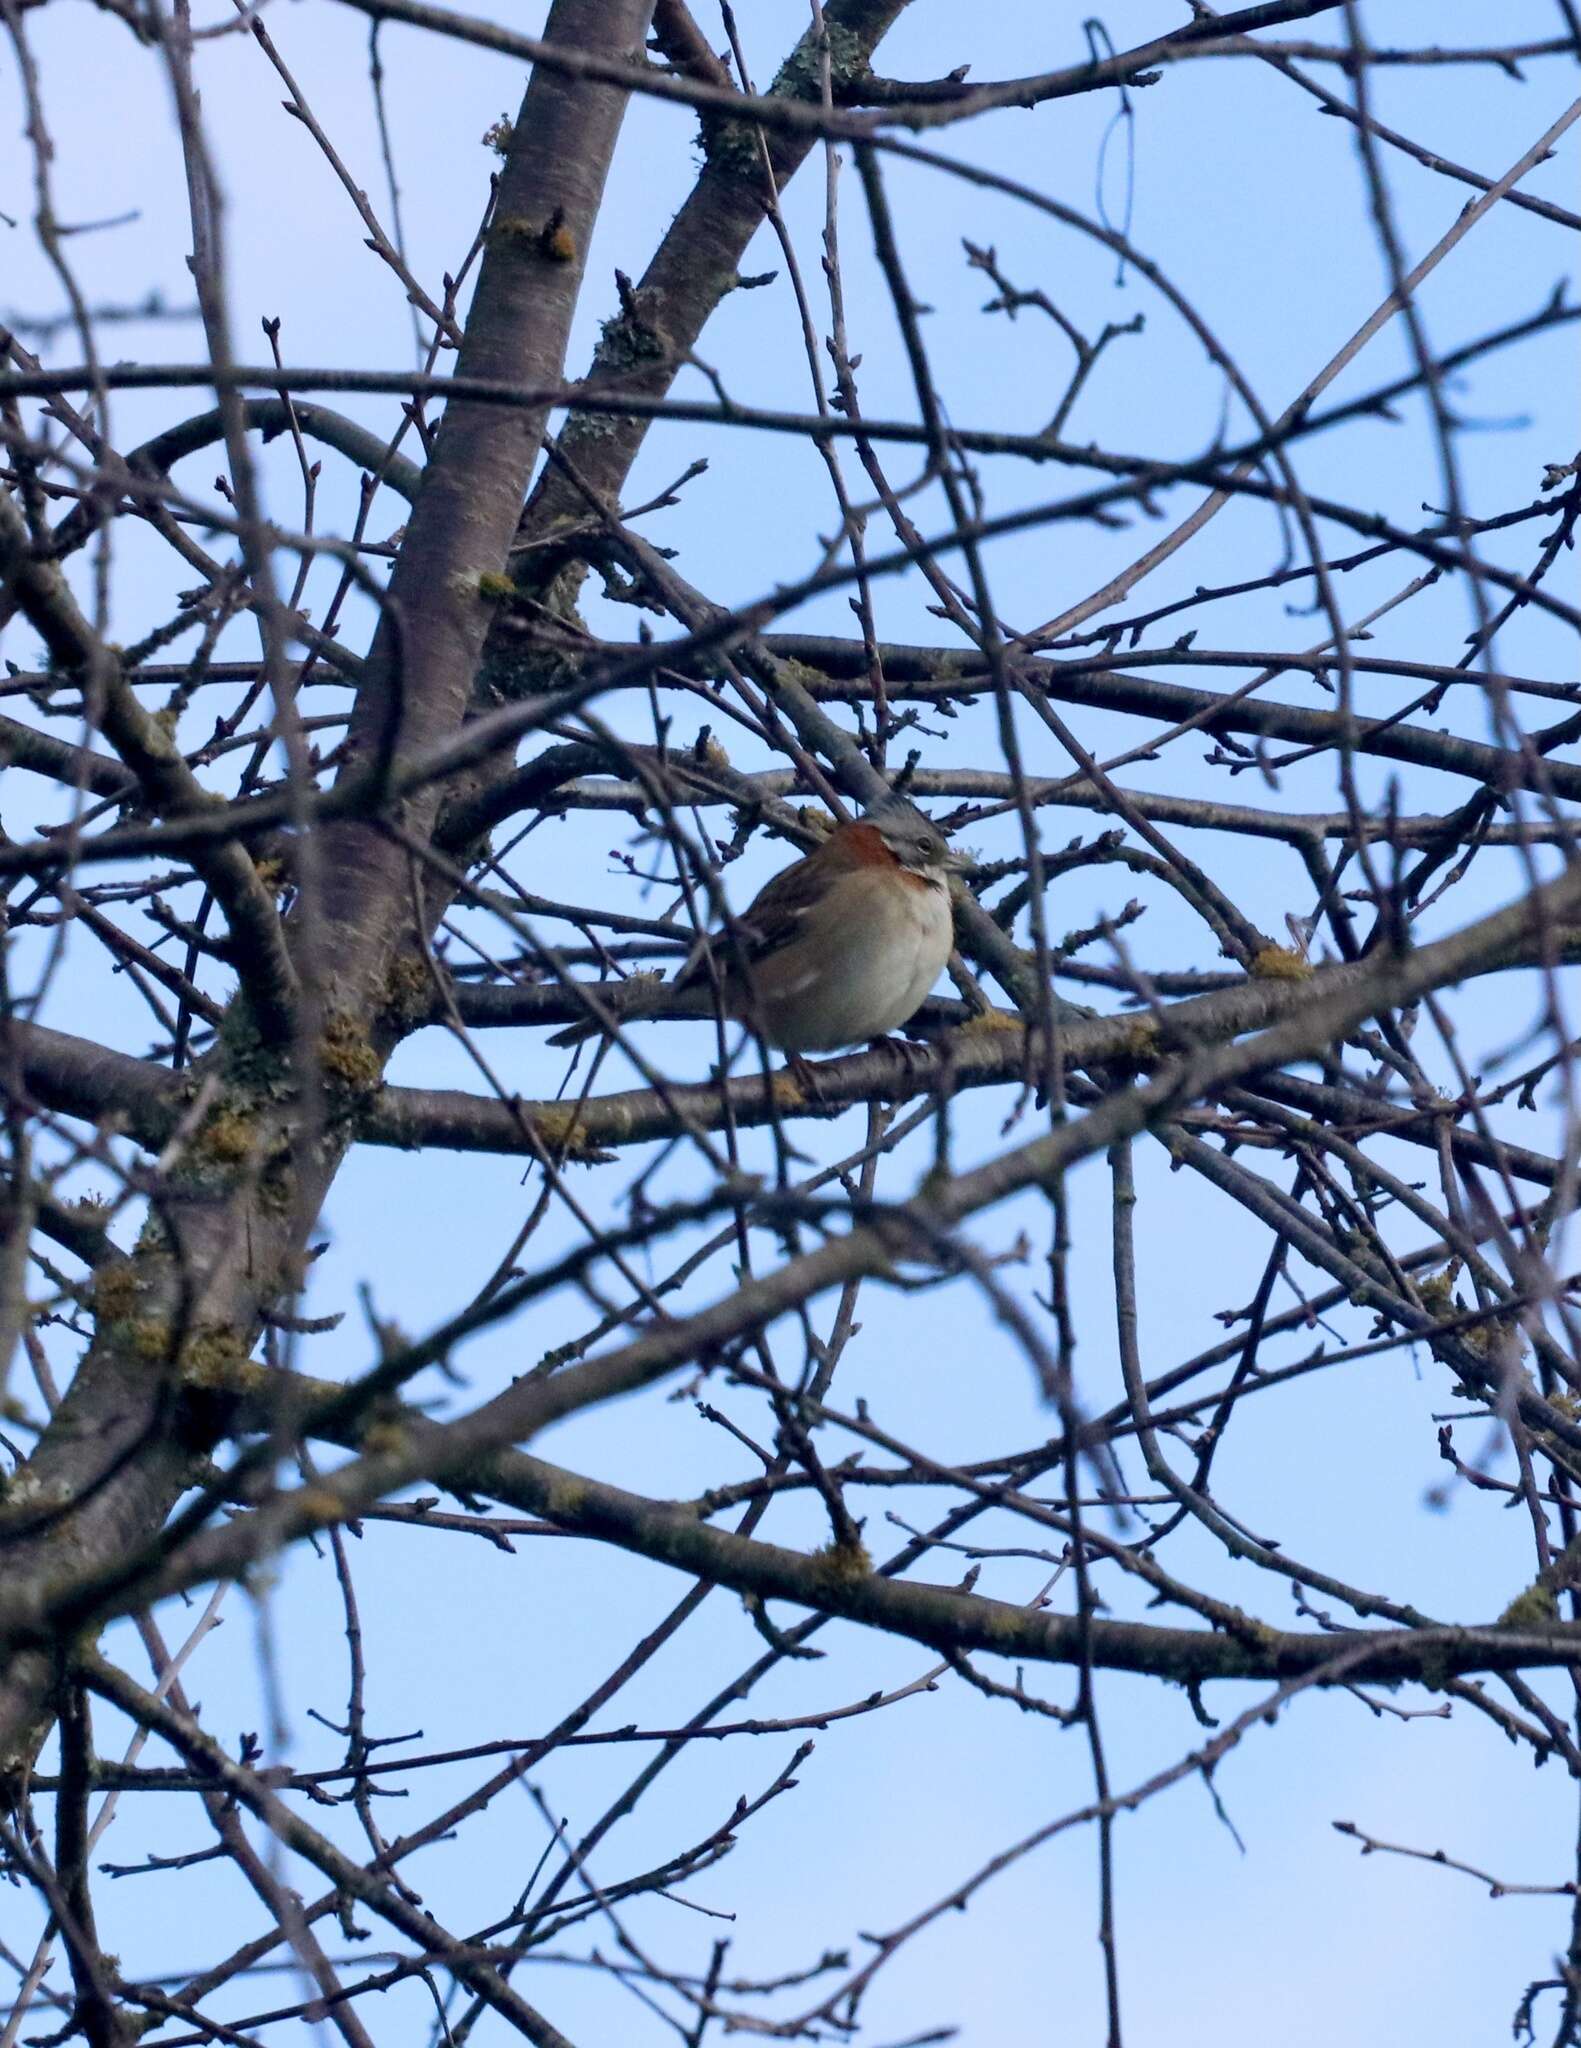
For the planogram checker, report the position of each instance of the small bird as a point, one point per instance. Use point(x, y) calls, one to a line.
point(841, 946)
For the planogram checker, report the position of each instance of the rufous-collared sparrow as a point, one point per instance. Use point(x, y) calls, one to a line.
point(839, 947)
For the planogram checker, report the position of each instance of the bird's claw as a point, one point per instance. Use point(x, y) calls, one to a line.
point(913, 1057)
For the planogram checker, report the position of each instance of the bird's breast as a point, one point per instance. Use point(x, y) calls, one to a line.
point(866, 958)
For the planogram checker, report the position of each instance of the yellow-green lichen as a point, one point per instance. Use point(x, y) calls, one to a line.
point(1001, 1622)
point(212, 1357)
point(552, 238)
point(226, 1135)
point(150, 1338)
point(1140, 1041)
point(567, 1497)
point(346, 1058)
point(319, 1505)
point(788, 1091)
point(562, 1132)
point(1438, 1289)
point(1534, 1608)
point(842, 1564)
point(385, 1438)
point(115, 1290)
point(496, 587)
point(408, 991)
point(1280, 963)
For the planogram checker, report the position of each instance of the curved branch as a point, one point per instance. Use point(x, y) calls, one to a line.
point(40, 753)
point(269, 417)
point(988, 1052)
point(77, 1077)
point(926, 674)
point(939, 1616)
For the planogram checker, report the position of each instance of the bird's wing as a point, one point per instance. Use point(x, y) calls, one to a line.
point(772, 920)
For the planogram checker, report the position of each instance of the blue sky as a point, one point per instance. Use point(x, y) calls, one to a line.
point(1254, 203)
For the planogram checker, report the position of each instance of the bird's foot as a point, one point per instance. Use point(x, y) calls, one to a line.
point(913, 1057)
point(805, 1077)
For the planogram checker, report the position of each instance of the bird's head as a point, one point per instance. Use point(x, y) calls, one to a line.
point(914, 839)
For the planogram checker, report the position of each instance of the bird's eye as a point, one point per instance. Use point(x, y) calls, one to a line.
point(927, 847)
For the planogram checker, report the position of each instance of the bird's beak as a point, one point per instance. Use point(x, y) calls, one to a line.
point(956, 863)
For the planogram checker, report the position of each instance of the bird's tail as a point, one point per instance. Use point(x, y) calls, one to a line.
point(577, 1034)
point(639, 996)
